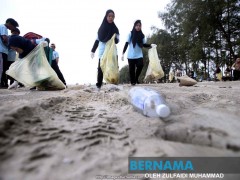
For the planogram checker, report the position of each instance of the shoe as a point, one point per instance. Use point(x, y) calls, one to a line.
point(14, 85)
point(20, 85)
point(98, 88)
point(133, 84)
point(33, 88)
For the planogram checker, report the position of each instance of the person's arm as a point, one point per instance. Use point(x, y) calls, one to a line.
point(147, 45)
point(124, 50)
point(57, 59)
point(127, 43)
point(116, 39)
point(125, 47)
point(95, 46)
point(56, 56)
point(4, 35)
point(4, 39)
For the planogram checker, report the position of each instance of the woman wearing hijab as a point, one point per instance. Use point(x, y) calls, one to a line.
point(21, 45)
point(105, 33)
point(136, 41)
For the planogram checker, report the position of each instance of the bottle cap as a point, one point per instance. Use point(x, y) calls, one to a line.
point(162, 110)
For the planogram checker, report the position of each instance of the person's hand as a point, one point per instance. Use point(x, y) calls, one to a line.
point(153, 45)
point(122, 57)
point(92, 55)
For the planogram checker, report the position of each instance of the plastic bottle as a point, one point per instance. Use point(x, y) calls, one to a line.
point(149, 102)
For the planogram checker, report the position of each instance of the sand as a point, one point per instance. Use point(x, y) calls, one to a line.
point(78, 133)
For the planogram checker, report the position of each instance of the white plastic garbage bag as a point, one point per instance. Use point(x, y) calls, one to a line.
point(154, 71)
point(35, 71)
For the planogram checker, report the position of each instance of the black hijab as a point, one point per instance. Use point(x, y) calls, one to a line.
point(21, 42)
point(137, 36)
point(106, 30)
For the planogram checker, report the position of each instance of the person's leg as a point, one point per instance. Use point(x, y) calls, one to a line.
point(238, 75)
point(139, 64)
point(132, 64)
point(235, 75)
point(1, 68)
point(4, 75)
point(99, 76)
point(58, 72)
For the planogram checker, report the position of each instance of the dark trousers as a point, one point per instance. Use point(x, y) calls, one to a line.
point(4, 80)
point(99, 76)
point(135, 69)
point(58, 72)
point(236, 75)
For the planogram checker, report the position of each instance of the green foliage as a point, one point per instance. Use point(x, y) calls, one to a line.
point(197, 31)
point(197, 25)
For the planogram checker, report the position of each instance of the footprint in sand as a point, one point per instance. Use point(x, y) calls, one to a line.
point(77, 113)
point(97, 134)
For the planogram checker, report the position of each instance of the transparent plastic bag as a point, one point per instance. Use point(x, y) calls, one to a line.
point(35, 71)
point(154, 71)
point(109, 62)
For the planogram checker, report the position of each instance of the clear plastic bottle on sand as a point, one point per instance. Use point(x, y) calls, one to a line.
point(149, 102)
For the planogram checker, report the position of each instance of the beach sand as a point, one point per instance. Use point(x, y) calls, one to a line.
point(78, 133)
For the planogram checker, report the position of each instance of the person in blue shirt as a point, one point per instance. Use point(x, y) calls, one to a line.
point(105, 33)
point(10, 24)
point(12, 56)
point(136, 41)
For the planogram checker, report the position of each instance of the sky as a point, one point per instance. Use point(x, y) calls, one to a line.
point(73, 24)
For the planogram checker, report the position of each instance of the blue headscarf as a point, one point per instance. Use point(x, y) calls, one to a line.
point(18, 41)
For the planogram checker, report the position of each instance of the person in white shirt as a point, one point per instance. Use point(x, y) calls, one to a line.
point(54, 64)
point(136, 41)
